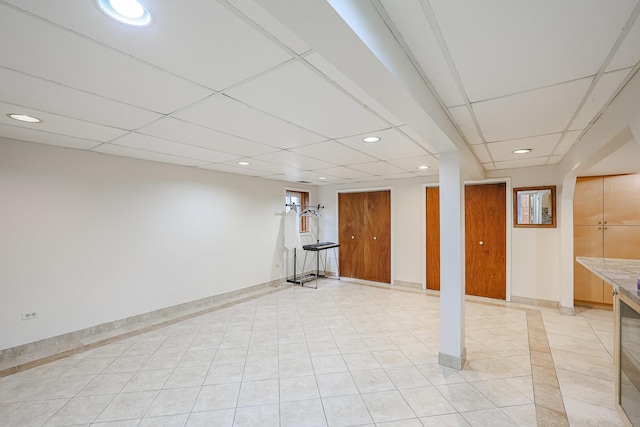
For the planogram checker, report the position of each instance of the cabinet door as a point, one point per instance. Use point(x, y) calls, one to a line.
point(622, 241)
point(588, 201)
point(351, 234)
point(622, 200)
point(377, 236)
point(587, 241)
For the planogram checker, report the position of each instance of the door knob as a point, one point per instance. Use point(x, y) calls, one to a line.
point(481, 243)
point(375, 238)
point(353, 237)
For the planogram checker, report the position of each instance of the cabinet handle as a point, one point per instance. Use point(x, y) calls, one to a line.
point(599, 222)
point(606, 228)
point(599, 228)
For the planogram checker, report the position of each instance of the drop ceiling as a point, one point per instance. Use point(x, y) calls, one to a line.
point(220, 82)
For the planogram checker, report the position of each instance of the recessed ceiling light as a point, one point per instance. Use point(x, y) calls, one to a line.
point(244, 163)
point(24, 118)
point(423, 167)
point(129, 12)
point(322, 178)
point(371, 139)
point(522, 151)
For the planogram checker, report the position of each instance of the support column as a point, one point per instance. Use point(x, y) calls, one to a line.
point(452, 262)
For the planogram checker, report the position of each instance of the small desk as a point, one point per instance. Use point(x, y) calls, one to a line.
point(317, 248)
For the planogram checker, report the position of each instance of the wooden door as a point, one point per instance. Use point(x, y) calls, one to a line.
point(351, 234)
point(588, 201)
point(587, 241)
point(622, 200)
point(486, 240)
point(377, 236)
point(433, 238)
point(485, 221)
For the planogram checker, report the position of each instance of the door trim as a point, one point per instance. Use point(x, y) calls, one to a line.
point(509, 225)
point(369, 189)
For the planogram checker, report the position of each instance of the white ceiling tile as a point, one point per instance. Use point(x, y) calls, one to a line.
point(392, 145)
point(268, 167)
point(192, 35)
point(118, 150)
point(400, 176)
point(301, 96)
point(537, 112)
point(567, 142)
point(188, 133)
point(540, 145)
point(464, 120)
point(159, 145)
point(96, 68)
point(505, 47)
point(554, 160)
point(628, 53)
point(33, 135)
point(343, 172)
point(522, 163)
point(59, 124)
point(334, 74)
point(416, 32)
point(378, 168)
point(258, 15)
point(239, 170)
point(428, 146)
point(21, 89)
point(333, 152)
point(482, 153)
point(295, 160)
point(410, 164)
point(230, 116)
point(606, 87)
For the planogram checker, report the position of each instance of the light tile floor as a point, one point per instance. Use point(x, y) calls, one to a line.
point(346, 354)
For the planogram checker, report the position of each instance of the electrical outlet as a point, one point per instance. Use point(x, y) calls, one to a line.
point(27, 315)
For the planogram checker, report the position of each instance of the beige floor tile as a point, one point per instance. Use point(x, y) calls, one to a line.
point(298, 388)
point(106, 384)
point(427, 402)
point(387, 406)
point(263, 415)
point(260, 370)
point(587, 389)
point(221, 418)
point(262, 392)
point(438, 374)
point(80, 410)
point(464, 397)
point(328, 364)
point(522, 415)
point(336, 384)
point(165, 421)
point(173, 401)
point(224, 374)
point(407, 377)
point(34, 413)
point(126, 406)
point(187, 377)
point(488, 418)
point(501, 393)
point(371, 381)
point(583, 414)
point(346, 411)
point(449, 420)
point(305, 413)
point(215, 397)
point(412, 422)
point(147, 380)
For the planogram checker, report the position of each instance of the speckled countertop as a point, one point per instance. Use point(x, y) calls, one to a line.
point(622, 274)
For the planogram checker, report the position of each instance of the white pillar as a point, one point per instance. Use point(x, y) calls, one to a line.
point(567, 258)
point(452, 262)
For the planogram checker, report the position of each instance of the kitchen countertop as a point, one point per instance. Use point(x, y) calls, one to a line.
point(622, 274)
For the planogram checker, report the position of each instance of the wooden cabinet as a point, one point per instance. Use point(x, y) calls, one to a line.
point(364, 232)
point(606, 217)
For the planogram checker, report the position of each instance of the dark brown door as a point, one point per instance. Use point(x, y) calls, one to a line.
point(433, 238)
point(377, 236)
point(364, 232)
point(350, 234)
point(485, 240)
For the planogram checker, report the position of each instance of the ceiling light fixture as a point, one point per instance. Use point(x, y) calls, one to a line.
point(522, 151)
point(129, 12)
point(371, 139)
point(423, 167)
point(24, 118)
point(322, 178)
point(244, 163)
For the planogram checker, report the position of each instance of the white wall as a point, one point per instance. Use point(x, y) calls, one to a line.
point(88, 238)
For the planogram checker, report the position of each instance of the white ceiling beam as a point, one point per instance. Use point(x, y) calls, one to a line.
point(365, 50)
